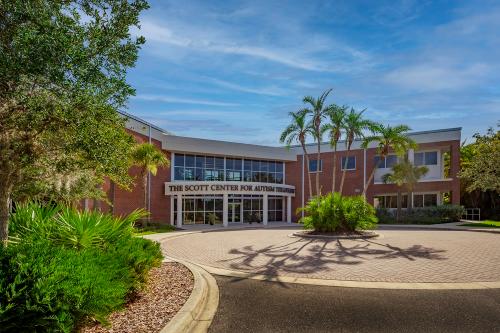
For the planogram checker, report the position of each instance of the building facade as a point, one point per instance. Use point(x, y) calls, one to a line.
point(218, 182)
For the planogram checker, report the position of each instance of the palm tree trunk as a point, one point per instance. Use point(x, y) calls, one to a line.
point(410, 201)
point(334, 172)
point(306, 156)
point(398, 211)
point(344, 171)
point(372, 174)
point(318, 165)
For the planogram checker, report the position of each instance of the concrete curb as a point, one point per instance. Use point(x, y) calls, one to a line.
point(197, 313)
point(356, 284)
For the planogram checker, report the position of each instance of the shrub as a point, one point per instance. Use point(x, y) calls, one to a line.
point(45, 288)
point(64, 266)
point(70, 227)
point(423, 215)
point(333, 212)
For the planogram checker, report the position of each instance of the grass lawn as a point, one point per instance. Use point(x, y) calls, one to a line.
point(153, 229)
point(483, 224)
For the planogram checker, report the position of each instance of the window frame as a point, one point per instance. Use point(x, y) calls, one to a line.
point(320, 166)
point(342, 163)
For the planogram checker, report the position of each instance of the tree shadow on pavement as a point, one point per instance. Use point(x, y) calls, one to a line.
point(312, 256)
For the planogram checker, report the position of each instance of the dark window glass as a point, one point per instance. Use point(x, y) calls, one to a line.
point(379, 162)
point(219, 163)
point(189, 173)
point(255, 166)
point(271, 166)
point(188, 205)
point(200, 161)
point(431, 158)
point(219, 204)
point(189, 161)
point(279, 166)
point(418, 200)
point(237, 164)
point(279, 215)
point(279, 178)
point(247, 164)
point(351, 162)
point(198, 174)
point(229, 163)
point(418, 159)
point(263, 166)
point(179, 160)
point(209, 162)
point(188, 218)
point(178, 173)
point(313, 165)
point(430, 200)
point(391, 161)
point(209, 204)
point(248, 176)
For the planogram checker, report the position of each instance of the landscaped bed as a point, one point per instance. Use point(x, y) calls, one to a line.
point(168, 288)
point(483, 224)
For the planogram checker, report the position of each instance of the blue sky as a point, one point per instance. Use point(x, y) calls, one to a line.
point(232, 70)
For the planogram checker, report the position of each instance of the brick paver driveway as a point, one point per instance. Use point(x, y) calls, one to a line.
point(396, 256)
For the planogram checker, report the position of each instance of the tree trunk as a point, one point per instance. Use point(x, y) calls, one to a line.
point(410, 201)
point(344, 171)
point(4, 213)
point(334, 172)
point(306, 156)
point(318, 165)
point(398, 211)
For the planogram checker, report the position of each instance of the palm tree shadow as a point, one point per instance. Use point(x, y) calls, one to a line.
point(313, 256)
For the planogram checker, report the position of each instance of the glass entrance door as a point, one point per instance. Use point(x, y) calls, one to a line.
point(234, 212)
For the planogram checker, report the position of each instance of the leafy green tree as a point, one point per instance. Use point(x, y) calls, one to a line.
point(335, 128)
point(405, 174)
point(482, 172)
point(318, 111)
point(63, 68)
point(385, 139)
point(148, 157)
point(298, 131)
point(354, 127)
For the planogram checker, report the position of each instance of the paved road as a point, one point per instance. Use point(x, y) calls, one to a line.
point(256, 306)
point(406, 255)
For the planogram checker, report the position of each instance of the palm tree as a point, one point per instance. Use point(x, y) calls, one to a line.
point(335, 128)
point(148, 157)
point(385, 139)
point(354, 125)
point(318, 111)
point(297, 131)
point(405, 174)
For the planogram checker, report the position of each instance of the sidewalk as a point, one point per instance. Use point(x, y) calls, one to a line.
point(441, 226)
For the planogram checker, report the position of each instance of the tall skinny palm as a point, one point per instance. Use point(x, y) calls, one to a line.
point(335, 128)
point(385, 139)
point(318, 111)
point(405, 174)
point(354, 127)
point(298, 131)
point(149, 158)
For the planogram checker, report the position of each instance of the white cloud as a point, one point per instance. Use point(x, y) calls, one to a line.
point(171, 99)
point(268, 90)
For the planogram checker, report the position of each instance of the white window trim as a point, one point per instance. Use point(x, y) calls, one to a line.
point(342, 164)
point(320, 163)
point(438, 159)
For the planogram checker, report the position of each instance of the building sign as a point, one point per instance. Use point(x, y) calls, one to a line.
point(199, 187)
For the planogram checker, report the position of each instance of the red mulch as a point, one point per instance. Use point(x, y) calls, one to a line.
point(168, 288)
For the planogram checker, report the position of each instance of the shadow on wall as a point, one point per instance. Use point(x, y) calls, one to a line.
point(322, 255)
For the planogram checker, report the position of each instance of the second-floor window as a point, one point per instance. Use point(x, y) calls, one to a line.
point(386, 163)
point(313, 166)
point(348, 163)
point(426, 158)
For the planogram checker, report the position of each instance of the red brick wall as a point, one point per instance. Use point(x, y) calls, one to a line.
point(125, 201)
point(353, 184)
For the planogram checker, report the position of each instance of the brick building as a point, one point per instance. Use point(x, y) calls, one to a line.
point(222, 182)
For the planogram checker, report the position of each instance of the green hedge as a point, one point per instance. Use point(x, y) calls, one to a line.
point(422, 215)
point(65, 267)
point(333, 213)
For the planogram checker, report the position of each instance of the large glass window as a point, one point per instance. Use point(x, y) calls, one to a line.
point(201, 210)
point(252, 209)
point(390, 201)
point(426, 158)
point(425, 200)
point(387, 162)
point(213, 168)
point(348, 163)
point(275, 209)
